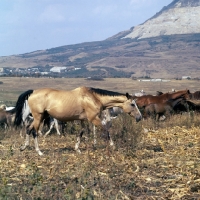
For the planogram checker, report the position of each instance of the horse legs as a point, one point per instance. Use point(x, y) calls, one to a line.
point(94, 133)
point(106, 130)
point(107, 123)
point(33, 128)
point(26, 141)
point(56, 126)
point(53, 122)
point(79, 137)
point(51, 126)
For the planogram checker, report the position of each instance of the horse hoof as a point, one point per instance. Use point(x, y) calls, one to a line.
point(146, 130)
point(111, 143)
point(78, 151)
point(40, 153)
point(22, 148)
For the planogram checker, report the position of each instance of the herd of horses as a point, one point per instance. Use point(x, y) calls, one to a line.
point(98, 106)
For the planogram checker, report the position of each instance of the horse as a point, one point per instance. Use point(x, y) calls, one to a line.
point(139, 94)
point(159, 109)
point(82, 103)
point(195, 95)
point(2, 107)
point(150, 99)
point(9, 108)
point(52, 122)
point(106, 119)
point(6, 117)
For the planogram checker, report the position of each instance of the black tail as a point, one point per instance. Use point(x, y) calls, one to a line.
point(19, 106)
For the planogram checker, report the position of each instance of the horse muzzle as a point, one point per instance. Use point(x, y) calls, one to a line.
point(138, 118)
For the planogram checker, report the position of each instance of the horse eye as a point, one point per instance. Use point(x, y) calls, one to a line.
point(132, 104)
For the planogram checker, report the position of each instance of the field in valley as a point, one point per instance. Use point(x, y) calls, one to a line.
point(163, 163)
point(13, 87)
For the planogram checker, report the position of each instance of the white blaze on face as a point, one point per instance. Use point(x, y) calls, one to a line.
point(134, 102)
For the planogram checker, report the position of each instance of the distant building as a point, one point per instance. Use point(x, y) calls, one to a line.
point(186, 77)
point(57, 69)
point(156, 80)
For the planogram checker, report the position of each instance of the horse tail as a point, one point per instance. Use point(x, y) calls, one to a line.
point(19, 107)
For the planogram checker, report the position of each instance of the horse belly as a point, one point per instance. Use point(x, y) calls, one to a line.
point(67, 114)
point(159, 108)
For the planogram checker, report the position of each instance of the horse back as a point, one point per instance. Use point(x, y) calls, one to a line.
point(60, 104)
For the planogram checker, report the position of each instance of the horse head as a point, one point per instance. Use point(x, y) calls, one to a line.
point(181, 93)
point(3, 107)
point(187, 94)
point(131, 108)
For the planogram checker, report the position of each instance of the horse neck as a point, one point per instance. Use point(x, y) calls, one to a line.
point(178, 94)
point(112, 101)
point(174, 102)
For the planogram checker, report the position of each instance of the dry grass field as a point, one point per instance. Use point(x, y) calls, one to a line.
point(13, 87)
point(163, 163)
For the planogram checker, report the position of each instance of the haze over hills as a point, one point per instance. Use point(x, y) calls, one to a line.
point(165, 46)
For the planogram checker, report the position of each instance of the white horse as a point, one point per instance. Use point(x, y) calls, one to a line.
point(106, 119)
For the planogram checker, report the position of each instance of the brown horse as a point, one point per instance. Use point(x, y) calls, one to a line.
point(78, 104)
point(156, 110)
point(150, 99)
point(195, 95)
point(6, 117)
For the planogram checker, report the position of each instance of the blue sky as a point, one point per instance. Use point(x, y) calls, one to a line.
point(30, 25)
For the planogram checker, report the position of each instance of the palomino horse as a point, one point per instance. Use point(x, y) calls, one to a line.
point(149, 99)
point(78, 104)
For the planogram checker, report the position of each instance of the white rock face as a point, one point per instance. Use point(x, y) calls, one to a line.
point(178, 20)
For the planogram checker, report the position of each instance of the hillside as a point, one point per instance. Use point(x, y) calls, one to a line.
point(165, 46)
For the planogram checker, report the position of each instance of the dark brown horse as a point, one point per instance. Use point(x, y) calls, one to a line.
point(195, 95)
point(78, 104)
point(150, 99)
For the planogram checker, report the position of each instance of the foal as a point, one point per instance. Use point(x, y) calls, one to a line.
point(160, 109)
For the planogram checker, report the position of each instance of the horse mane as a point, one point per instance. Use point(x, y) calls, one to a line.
point(105, 92)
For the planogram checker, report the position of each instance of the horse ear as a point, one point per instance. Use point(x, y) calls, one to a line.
point(128, 95)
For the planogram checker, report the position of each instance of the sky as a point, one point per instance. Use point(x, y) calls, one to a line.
point(31, 25)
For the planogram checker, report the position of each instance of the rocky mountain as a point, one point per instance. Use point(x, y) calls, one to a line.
point(165, 46)
point(179, 17)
